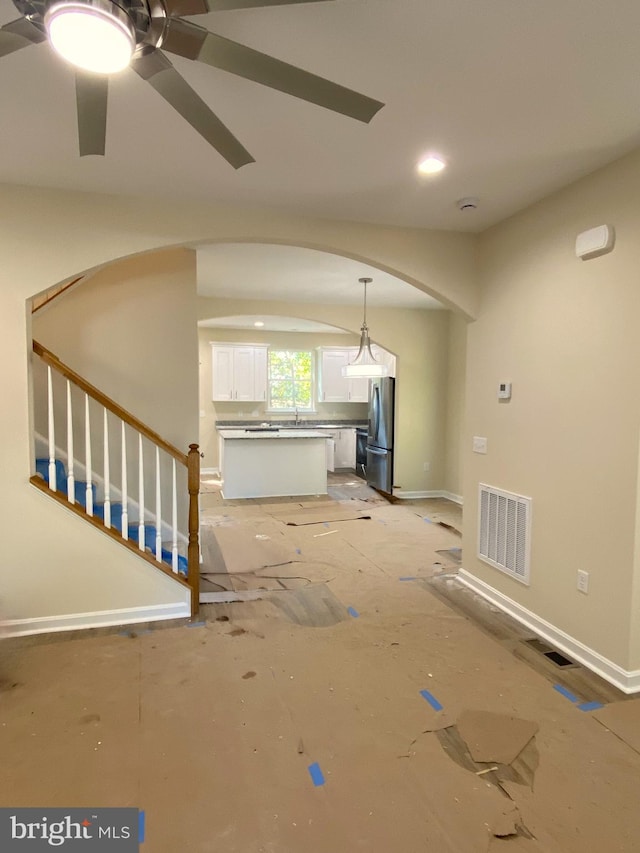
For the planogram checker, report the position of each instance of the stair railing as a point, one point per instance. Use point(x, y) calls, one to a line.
point(81, 499)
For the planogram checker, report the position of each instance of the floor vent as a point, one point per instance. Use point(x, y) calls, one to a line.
point(555, 657)
point(504, 531)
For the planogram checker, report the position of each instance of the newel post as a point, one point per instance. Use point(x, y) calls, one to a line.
point(193, 553)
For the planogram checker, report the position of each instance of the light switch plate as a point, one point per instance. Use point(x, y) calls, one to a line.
point(479, 444)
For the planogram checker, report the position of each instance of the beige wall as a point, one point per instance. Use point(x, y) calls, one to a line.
point(53, 563)
point(456, 374)
point(211, 411)
point(419, 340)
point(130, 330)
point(565, 333)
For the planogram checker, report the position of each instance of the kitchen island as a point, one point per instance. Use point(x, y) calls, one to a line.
point(272, 463)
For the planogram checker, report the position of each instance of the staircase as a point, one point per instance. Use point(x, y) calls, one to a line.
point(116, 512)
point(134, 462)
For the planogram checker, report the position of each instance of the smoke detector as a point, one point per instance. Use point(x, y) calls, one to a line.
point(467, 203)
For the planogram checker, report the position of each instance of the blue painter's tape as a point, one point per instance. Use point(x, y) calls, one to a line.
point(325, 523)
point(407, 579)
point(352, 612)
point(196, 624)
point(431, 699)
point(590, 706)
point(316, 774)
point(298, 551)
point(141, 824)
point(428, 520)
point(566, 693)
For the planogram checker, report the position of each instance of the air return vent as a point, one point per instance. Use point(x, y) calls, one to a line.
point(503, 531)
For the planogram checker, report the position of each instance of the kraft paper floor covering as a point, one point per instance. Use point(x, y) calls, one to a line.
point(212, 728)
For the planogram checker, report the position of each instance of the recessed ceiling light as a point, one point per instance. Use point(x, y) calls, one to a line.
point(258, 323)
point(431, 165)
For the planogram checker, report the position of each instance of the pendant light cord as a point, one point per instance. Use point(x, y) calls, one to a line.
point(365, 282)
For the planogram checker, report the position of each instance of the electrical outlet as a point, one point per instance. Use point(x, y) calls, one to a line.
point(583, 581)
point(427, 466)
point(479, 444)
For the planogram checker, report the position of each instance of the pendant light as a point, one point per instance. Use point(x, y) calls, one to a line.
point(364, 364)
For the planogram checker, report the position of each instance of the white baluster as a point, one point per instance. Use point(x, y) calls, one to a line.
point(174, 521)
point(158, 509)
point(87, 439)
point(140, 494)
point(71, 478)
point(107, 477)
point(52, 434)
point(125, 495)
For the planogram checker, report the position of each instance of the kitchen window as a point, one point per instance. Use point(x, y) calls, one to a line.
point(290, 380)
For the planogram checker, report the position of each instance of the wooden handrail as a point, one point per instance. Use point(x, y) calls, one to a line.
point(51, 296)
point(49, 358)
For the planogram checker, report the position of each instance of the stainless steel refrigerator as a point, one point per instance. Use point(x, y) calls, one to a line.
point(380, 435)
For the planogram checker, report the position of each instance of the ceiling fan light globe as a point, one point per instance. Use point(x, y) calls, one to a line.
point(94, 36)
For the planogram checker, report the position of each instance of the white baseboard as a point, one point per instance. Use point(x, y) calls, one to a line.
point(627, 681)
point(212, 472)
point(438, 493)
point(97, 619)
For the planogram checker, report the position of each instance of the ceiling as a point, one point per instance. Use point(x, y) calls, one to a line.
point(520, 97)
point(270, 323)
point(293, 274)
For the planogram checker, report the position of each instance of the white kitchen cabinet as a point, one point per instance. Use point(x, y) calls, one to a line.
point(341, 448)
point(336, 388)
point(358, 388)
point(345, 452)
point(239, 373)
point(385, 357)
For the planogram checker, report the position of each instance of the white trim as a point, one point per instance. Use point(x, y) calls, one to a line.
point(627, 681)
point(96, 619)
point(456, 499)
point(438, 493)
point(212, 472)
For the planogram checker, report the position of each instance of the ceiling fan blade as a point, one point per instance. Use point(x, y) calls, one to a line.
point(194, 42)
point(19, 34)
point(220, 5)
point(91, 101)
point(178, 8)
point(156, 69)
point(185, 8)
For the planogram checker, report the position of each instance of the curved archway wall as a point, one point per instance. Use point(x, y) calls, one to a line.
point(53, 569)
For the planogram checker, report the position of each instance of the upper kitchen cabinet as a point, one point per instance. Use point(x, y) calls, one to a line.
point(384, 357)
point(333, 385)
point(239, 373)
point(336, 388)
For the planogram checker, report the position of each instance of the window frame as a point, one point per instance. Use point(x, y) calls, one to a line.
point(290, 410)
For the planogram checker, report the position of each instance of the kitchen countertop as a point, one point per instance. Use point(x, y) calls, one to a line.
point(291, 425)
point(268, 433)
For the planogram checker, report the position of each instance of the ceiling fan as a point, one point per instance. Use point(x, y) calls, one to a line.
point(136, 33)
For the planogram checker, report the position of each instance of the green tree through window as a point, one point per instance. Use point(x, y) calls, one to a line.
point(290, 379)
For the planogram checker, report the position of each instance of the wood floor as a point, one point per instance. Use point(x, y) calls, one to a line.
point(323, 716)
